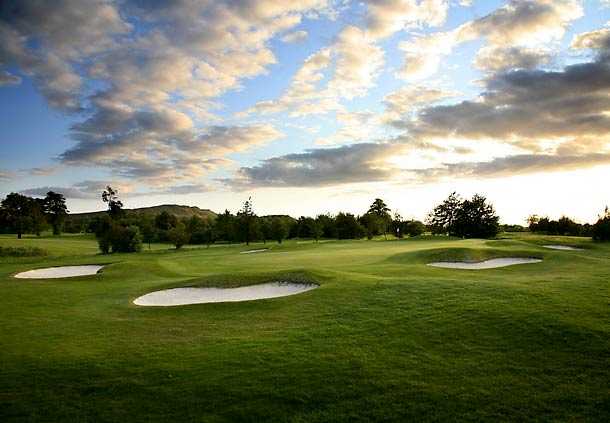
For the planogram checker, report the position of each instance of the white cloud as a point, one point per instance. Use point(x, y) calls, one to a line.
point(295, 37)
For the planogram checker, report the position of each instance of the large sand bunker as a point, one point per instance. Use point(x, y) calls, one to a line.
point(562, 247)
point(487, 264)
point(60, 272)
point(184, 296)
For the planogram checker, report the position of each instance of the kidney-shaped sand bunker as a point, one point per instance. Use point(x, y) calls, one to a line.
point(193, 295)
point(487, 264)
point(60, 272)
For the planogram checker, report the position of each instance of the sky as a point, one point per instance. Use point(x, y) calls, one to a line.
point(309, 106)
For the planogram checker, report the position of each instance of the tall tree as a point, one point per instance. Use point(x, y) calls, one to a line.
point(381, 210)
point(56, 210)
point(37, 215)
point(17, 209)
point(246, 219)
point(115, 206)
point(442, 218)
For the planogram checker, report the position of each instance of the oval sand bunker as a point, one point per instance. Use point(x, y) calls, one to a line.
point(562, 247)
point(487, 264)
point(59, 272)
point(184, 296)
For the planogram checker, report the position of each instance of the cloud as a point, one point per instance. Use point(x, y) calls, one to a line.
point(9, 79)
point(385, 17)
point(108, 62)
point(6, 175)
point(519, 23)
point(364, 162)
point(512, 165)
point(86, 190)
point(401, 103)
point(495, 59)
point(295, 37)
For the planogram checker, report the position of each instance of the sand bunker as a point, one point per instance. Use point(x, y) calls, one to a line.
point(60, 272)
point(184, 296)
point(562, 247)
point(487, 264)
point(254, 251)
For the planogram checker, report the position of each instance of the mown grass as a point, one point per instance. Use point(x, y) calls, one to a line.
point(384, 337)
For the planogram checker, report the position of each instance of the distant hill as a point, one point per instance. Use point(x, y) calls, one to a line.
point(179, 211)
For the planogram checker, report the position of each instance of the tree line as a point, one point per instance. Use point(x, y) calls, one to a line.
point(120, 231)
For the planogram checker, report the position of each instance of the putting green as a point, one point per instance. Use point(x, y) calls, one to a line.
point(384, 337)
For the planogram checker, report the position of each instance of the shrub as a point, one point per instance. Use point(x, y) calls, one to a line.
point(22, 252)
point(125, 239)
point(178, 236)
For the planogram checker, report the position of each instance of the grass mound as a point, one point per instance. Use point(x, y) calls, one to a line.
point(22, 252)
point(471, 255)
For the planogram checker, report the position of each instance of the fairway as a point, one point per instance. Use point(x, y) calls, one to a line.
point(384, 337)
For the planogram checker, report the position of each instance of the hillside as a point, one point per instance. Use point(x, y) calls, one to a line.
point(178, 211)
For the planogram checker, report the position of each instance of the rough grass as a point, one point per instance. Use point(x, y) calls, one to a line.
point(22, 251)
point(384, 338)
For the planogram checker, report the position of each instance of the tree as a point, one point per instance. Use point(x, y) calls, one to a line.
point(380, 209)
point(125, 239)
point(371, 223)
point(601, 229)
point(56, 210)
point(473, 218)
point(316, 229)
point(147, 229)
point(265, 225)
point(348, 227)
point(442, 218)
point(476, 218)
point(17, 209)
point(413, 228)
point(247, 222)
point(38, 221)
point(115, 206)
point(178, 235)
point(279, 230)
point(224, 226)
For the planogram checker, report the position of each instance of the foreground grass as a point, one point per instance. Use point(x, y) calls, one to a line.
point(384, 337)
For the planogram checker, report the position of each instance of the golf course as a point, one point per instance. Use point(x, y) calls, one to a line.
point(382, 337)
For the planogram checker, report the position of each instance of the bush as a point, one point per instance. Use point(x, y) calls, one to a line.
point(22, 252)
point(104, 244)
point(126, 239)
point(178, 236)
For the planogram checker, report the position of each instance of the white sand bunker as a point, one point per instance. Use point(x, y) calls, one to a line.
point(184, 296)
point(562, 247)
point(254, 251)
point(487, 264)
point(59, 272)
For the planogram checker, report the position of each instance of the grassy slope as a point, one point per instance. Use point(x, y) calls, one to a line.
point(384, 337)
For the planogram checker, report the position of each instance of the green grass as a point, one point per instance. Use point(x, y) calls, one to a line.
point(384, 337)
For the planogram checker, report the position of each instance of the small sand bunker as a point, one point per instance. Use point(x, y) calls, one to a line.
point(487, 264)
point(184, 296)
point(254, 251)
point(562, 247)
point(60, 272)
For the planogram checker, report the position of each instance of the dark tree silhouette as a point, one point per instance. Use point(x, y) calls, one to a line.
point(473, 218)
point(601, 229)
point(247, 221)
point(115, 206)
point(279, 229)
point(56, 210)
point(17, 208)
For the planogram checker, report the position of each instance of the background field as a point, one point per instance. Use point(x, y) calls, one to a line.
point(384, 337)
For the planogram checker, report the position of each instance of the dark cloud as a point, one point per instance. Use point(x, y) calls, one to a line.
point(320, 167)
point(512, 165)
